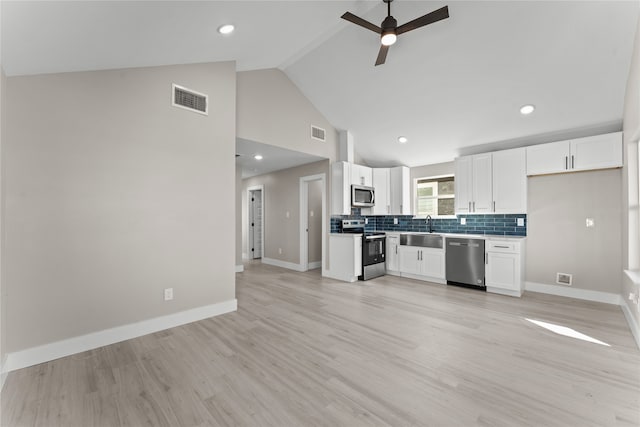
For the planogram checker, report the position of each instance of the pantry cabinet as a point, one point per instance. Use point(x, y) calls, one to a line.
point(589, 153)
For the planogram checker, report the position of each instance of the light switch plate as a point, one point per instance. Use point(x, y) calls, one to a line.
point(590, 222)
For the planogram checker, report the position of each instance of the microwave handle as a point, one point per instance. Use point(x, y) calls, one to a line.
point(373, 197)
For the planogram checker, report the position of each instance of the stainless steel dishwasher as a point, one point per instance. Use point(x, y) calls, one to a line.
point(465, 262)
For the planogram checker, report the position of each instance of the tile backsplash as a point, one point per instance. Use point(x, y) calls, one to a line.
point(492, 224)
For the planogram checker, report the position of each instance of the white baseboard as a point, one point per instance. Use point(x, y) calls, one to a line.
point(633, 323)
point(315, 264)
point(565, 291)
point(239, 268)
point(47, 352)
point(3, 372)
point(283, 264)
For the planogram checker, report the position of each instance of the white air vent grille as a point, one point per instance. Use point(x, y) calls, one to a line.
point(190, 99)
point(564, 279)
point(317, 133)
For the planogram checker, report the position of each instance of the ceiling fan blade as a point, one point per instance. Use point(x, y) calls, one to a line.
point(429, 18)
point(382, 55)
point(359, 21)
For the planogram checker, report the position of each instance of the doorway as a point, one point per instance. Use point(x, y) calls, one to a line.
point(312, 222)
point(255, 224)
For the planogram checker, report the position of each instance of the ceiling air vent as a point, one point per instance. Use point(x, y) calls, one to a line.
point(317, 133)
point(190, 100)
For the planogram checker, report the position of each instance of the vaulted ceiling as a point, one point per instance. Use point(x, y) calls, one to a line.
point(452, 85)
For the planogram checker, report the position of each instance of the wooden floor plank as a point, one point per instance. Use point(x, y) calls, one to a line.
point(305, 350)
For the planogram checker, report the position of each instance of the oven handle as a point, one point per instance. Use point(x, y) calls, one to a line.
point(374, 237)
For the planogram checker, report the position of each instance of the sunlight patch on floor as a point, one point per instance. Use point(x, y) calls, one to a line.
point(565, 331)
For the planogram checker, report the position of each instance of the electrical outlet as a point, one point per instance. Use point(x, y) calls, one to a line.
point(463, 221)
point(366, 221)
point(280, 251)
point(520, 222)
point(590, 222)
point(168, 294)
point(287, 214)
point(395, 221)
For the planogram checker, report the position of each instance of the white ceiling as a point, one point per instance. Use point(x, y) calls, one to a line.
point(448, 87)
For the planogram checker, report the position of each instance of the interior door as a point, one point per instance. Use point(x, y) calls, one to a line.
point(255, 218)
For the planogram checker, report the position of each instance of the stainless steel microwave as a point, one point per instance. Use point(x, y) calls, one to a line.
point(362, 197)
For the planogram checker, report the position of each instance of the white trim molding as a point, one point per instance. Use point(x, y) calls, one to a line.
point(283, 264)
point(3, 371)
point(239, 268)
point(635, 331)
point(315, 264)
point(47, 352)
point(565, 291)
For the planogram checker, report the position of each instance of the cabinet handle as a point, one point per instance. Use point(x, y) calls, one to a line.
point(494, 205)
point(572, 163)
point(503, 247)
point(566, 162)
point(486, 258)
point(396, 250)
point(469, 206)
point(474, 206)
point(388, 208)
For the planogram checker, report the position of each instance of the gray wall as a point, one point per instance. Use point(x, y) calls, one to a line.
point(282, 194)
point(113, 195)
point(272, 110)
point(558, 239)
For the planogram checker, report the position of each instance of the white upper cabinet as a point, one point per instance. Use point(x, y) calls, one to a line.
point(382, 184)
point(400, 190)
point(593, 152)
point(473, 184)
point(463, 184)
point(491, 183)
point(597, 152)
point(510, 181)
point(341, 188)
point(482, 183)
point(361, 175)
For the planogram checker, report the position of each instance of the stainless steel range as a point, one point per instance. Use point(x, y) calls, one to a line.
point(373, 248)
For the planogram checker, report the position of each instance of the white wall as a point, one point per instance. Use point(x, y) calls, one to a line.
point(113, 195)
point(558, 239)
point(630, 188)
point(3, 288)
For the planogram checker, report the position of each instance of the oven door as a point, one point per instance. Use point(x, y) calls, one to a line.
point(373, 249)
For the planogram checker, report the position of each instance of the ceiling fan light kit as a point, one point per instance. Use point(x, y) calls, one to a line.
point(389, 30)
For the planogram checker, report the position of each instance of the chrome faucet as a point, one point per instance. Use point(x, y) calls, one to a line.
point(429, 224)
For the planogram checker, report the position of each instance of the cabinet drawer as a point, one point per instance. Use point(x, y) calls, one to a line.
point(501, 246)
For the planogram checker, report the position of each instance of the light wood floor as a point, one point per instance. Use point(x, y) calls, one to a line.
point(302, 350)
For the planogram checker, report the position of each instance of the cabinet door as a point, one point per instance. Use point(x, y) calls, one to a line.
point(433, 264)
point(482, 201)
point(392, 253)
point(400, 190)
point(408, 259)
point(340, 188)
point(463, 184)
point(361, 175)
point(503, 271)
point(597, 152)
point(510, 181)
point(381, 184)
point(548, 158)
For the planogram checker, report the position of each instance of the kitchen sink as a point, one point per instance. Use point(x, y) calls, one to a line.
point(423, 240)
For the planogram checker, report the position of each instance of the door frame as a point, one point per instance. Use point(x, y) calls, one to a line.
point(249, 190)
point(304, 220)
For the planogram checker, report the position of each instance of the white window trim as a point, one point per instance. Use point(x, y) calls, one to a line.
point(414, 196)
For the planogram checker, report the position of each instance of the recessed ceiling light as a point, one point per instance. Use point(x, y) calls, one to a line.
point(226, 29)
point(402, 139)
point(527, 109)
point(257, 157)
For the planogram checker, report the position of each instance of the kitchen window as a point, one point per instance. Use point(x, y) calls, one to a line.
point(435, 196)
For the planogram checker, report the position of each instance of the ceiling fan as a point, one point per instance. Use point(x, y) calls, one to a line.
point(389, 29)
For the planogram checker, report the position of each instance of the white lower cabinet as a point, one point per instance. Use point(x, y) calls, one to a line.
point(345, 257)
point(393, 243)
point(422, 263)
point(504, 269)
